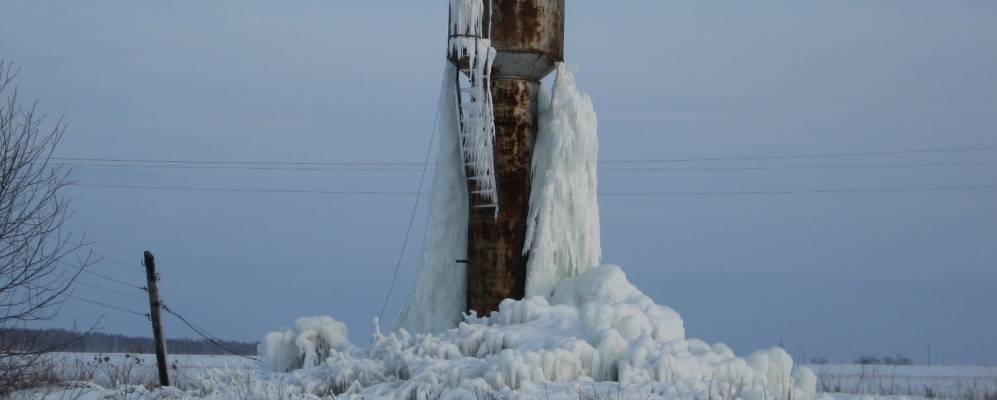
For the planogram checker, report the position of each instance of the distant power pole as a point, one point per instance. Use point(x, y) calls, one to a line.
point(155, 306)
point(528, 37)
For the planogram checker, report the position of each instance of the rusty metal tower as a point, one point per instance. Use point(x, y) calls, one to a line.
point(501, 50)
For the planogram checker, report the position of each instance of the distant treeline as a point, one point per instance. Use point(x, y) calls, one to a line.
point(96, 342)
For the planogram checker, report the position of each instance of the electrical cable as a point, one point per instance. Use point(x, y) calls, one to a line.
point(107, 306)
point(415, 204)
point(213, 340)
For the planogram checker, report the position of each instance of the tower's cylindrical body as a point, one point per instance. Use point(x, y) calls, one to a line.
point(528, 36)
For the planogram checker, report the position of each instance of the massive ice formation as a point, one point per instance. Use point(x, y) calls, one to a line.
point(438, 298)
point(598, 327)
point(580, 325)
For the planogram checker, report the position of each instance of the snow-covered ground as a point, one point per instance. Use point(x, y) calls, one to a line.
point(182, 360)
point(235, 378)
point(962, 382)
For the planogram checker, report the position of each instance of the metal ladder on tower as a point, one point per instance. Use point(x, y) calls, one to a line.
point(477, 135)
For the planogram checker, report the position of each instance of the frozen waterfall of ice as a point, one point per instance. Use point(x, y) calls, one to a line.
point(438, 298)
point(562, 237)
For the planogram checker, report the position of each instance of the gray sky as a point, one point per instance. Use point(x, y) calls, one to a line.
point(832, 274)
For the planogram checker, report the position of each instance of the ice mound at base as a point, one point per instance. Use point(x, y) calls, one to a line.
point(308, 344)
point(597, 327)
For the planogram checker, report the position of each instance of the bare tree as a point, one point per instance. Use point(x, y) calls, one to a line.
point(38, 261)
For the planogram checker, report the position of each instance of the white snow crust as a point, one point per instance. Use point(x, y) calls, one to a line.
point(580, 325)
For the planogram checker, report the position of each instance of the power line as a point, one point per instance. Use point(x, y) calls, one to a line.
point(612, 169)
point(204, 334)
point(100, 275)
point(372, 165)
point(240, 167)
point(388, 193)
point(108, 306)
point(817, 191)
point(218, 162)
point(792, 167)
point(812, 155)
point(251, 190)
point(118, 262)
point(112, 291)
point(415, 204)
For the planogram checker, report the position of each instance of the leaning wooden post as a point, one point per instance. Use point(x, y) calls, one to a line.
point(154, 314)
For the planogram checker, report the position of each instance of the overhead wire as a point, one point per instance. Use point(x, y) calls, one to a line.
point(220, 162)
point(611, 168)
point(815, 191)
point(810, 155)
point(107, 305)
point(390, 193)
point(415, 204)
point(118, 262)
point(246, 164)
point(84, 270)
point(250, 190)
point(794, 167)
point(207, 336)
point(90, 285)
point(240, 167)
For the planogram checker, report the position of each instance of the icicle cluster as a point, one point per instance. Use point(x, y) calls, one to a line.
point(562, 237)
point(469, 44)
point(466, 18)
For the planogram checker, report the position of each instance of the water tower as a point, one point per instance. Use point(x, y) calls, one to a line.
point(501, 50)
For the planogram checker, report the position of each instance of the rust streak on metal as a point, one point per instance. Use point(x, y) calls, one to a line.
point(496, 266)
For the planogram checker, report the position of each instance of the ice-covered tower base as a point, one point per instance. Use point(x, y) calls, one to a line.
point(526, 41)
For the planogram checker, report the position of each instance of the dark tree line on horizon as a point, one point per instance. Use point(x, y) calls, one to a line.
point(96, 342)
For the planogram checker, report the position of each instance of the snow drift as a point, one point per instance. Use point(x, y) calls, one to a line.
point(580, 323)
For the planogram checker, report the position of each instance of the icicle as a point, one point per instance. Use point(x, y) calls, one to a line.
point(474, 101)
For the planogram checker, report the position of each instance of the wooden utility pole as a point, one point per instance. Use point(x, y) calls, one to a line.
point(155, 306)
point(528, 36)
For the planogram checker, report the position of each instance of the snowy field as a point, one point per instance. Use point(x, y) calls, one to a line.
point(961, 382)
point(128, 377)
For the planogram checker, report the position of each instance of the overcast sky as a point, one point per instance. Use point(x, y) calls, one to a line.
point(829, 274)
